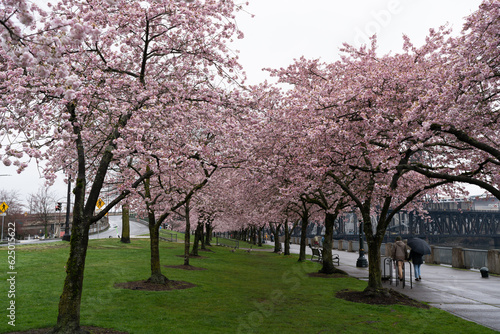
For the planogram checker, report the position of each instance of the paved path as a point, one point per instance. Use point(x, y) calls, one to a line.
point(115, 229)
point(463, 293)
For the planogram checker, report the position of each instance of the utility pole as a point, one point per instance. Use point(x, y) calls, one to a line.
point(67, 236)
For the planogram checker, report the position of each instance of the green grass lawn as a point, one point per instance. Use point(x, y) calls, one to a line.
point(240, 292)
point(241, 244)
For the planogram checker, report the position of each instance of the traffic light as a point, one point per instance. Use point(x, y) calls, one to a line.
point(58, 206)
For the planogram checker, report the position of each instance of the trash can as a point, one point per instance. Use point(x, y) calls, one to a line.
point(484, 272)
point(385, 265)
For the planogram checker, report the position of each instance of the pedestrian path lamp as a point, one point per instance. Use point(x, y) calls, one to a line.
point(362, 262)
point(67, 236)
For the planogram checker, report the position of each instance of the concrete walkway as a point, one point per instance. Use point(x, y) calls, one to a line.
point(463, 293)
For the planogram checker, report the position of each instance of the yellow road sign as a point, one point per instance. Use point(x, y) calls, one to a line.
point(3, 207)
point(100, 203)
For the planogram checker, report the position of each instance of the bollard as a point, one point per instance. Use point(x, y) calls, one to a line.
point(484, 272)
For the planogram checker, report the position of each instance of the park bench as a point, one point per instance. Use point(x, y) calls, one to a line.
point(336, 259)
point(318, 252)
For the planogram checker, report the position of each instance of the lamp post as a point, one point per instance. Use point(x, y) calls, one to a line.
point(362, 262)
point(67, 236)
point(3, 220)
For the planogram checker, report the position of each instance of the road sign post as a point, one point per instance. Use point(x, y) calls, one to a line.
point(100, 203)
point(3, 209)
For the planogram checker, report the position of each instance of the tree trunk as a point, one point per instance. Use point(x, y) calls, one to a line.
point(187, 235)
point(197, 238)
point(303, 238)
point(276, 235)
point(154, 234)
point(208, 235)
point(375, 272)
point(259, 236)
point(125, 224)
point(68, 320)
point(328, 267)
point(287, 239)
point(202, 237)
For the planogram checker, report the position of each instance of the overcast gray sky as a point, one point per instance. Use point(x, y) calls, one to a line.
point(283, 30)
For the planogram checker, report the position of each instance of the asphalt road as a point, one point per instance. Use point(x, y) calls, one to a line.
point(115, 229)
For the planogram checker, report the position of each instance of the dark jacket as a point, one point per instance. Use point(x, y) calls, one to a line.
point(416, 258)
point(399, 251)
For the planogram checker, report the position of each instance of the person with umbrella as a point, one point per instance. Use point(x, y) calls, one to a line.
point(417, 260)
point(419, 248)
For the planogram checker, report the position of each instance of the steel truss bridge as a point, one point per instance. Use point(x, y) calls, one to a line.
point(437, 224)
point(452, 223)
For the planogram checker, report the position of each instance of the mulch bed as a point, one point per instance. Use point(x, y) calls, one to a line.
point(394, 298)
point(147, 286)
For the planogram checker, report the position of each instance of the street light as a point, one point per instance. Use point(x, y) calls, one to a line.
point(67, 236)
point(362, 262)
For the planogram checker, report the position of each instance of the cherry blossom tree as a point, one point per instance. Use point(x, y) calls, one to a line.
point(355, 114)
point(81, 82)
point(459, 111)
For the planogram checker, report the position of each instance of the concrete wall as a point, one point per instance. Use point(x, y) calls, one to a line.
point(494, 261)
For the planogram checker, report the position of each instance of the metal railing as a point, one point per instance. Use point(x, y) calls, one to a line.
point(389, 272)
point(166, 236)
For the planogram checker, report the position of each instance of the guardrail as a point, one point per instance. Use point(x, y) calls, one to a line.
point(100, 226)
point(172, 237)
point(227, 242)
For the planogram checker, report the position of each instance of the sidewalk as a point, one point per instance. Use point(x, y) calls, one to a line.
point(461, 292)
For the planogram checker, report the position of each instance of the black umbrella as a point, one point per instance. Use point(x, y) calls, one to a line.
point(419, 246)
